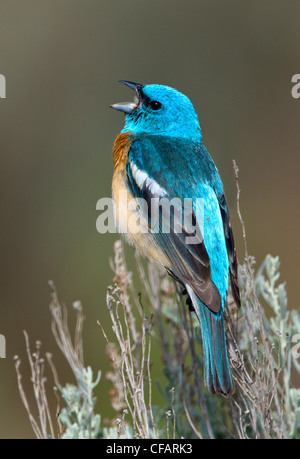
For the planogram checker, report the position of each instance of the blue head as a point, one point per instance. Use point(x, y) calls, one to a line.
point(160, 110)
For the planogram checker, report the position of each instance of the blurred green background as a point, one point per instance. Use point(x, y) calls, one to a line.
point(62, 60)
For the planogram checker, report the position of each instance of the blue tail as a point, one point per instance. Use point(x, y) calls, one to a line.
point(216, 365)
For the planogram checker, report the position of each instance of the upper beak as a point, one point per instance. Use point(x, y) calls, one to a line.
point(129, 107)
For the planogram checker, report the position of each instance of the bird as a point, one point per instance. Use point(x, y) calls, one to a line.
point(159, 156)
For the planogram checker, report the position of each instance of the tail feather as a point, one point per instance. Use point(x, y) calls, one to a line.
point(216, 364)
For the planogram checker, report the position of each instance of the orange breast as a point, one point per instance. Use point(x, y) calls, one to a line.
point(126, 207)
point(120, 150)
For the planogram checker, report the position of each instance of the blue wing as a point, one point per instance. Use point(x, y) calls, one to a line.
point(157, 168)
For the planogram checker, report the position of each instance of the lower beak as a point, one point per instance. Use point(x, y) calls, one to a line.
point(129, 107)
point(126, 107)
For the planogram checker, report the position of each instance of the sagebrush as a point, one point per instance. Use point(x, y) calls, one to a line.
point(260, 336)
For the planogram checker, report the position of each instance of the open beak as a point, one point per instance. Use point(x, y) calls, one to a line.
point(129, 107)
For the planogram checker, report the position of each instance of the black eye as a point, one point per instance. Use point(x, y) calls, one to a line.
point(155, 105)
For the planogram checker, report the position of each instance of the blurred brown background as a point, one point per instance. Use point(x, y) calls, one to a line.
point(62, 60)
